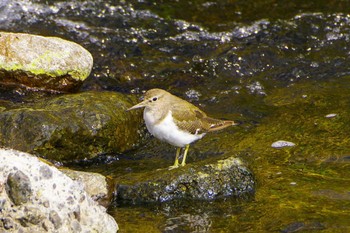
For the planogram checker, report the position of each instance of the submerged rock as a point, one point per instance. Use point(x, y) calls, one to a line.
point(70, 127)
point(282, 143)
point(331, 115)
point(228, 177)
point(48, 63)
point(55, 203)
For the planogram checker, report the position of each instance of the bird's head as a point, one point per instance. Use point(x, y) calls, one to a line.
point(152, 98)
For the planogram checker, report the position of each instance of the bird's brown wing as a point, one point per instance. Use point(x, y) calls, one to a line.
point(188, 117)
point(197, 122)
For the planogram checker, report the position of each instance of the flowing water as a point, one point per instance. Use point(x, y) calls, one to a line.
point(280, 68)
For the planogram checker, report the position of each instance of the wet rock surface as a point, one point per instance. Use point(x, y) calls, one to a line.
point(35, 202)
point(224, 178)
point(46, 63)
point(70, 127)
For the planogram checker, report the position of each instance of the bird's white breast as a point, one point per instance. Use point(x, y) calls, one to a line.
point(166, 130)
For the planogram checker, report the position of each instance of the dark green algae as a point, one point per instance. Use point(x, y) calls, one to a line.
point(292, 181)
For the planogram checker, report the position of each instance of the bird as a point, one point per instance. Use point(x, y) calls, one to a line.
point(176, 121)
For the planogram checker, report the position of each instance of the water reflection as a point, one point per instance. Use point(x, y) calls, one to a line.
point(188, 223)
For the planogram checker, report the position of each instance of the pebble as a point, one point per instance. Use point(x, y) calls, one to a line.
point(331, 115)
point(282, 143)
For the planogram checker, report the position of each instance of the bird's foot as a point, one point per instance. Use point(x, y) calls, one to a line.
point(176, 163)
point(173, 167)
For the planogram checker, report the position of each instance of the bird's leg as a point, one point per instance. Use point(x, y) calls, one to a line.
point(183, 163)
point(176, 163)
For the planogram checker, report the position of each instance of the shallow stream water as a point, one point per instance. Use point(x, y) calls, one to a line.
point(280, 68)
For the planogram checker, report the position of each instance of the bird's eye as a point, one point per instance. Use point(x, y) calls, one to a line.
point(155, 98)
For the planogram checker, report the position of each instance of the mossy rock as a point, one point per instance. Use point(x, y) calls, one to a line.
point(48, 63)
point(74, 126)
point(221, 178)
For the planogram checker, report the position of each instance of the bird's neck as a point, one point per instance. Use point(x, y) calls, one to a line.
point(154, 116)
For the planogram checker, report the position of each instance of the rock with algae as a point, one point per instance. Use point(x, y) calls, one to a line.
point(42, 62)
point(72, 126)
point(35, 197)
point(223, 178)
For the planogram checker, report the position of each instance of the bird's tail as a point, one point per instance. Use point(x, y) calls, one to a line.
point(216, 124)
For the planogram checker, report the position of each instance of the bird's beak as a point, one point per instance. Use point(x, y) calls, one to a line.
point(139, 105)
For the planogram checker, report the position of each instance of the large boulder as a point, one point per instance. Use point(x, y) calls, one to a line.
point(35, 197)
point(222, 178)
point(72, 126)
point(41, 62)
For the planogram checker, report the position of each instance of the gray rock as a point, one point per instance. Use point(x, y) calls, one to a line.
point(18, 187)
point(2, 202)
point(7, 223)
point(55, 219)
point(56, 204)
point(227, 177)
point(43, 62)
point(33, 215)
point(72, 126)
point(45, 172)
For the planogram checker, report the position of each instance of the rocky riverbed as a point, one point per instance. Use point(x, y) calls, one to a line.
point(68, 128)
point(280, 69)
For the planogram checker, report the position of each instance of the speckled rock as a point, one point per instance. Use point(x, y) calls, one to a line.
point(223, 178)
point(53, 202)
point(43, 62)
point(99, 187)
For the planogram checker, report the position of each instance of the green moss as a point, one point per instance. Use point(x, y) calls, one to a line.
point(70, 127)
point(35, 67)
point(57, 57)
